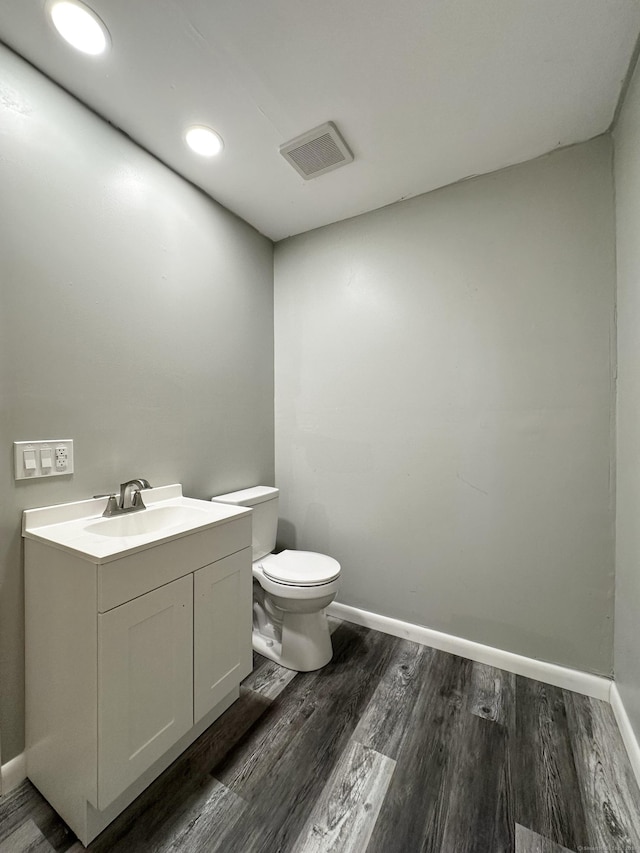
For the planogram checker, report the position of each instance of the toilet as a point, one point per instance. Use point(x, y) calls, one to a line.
point(290, 590)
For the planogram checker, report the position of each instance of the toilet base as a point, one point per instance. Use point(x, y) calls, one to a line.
point(306, 642)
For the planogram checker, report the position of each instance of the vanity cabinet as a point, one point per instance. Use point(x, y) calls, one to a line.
point(128, 661)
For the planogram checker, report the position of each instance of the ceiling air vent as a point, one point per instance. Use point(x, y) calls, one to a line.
point(318, 151)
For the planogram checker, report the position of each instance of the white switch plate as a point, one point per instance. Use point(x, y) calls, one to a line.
point(60, 452)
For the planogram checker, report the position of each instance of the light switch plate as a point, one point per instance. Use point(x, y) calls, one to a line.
point(58, 451)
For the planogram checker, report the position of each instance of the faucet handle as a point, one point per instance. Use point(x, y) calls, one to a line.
point(111, 507)
point(136, 500)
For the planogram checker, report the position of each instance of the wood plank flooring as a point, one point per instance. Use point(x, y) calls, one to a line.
point(391, 748)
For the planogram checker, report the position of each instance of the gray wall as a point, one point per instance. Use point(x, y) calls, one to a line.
point(137, 319)
point(627, 621)
point(444, 406)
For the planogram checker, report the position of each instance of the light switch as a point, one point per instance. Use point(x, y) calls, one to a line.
point(45, 458)
point(30, 460)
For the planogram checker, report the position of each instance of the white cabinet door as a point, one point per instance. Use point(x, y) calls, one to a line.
point(145, 683)
point(222, 629)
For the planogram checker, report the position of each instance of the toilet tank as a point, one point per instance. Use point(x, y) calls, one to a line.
point(263, 500)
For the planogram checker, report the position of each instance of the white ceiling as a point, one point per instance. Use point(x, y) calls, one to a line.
point(426, 92)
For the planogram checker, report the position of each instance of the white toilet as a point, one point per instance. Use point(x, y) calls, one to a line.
point(290, 589)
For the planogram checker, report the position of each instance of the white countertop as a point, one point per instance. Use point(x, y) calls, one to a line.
point(81, 529)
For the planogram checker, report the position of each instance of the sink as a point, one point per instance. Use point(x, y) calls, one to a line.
point(81, 529)
point(151, 520)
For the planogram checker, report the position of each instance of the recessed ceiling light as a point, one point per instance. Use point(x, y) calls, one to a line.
point(203, 140)
point(79, 25)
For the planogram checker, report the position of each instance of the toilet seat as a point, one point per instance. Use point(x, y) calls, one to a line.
point(300, 568)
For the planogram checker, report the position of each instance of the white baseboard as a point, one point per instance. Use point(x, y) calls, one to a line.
point(626, 730)
point(13, 773)
point(560, 676)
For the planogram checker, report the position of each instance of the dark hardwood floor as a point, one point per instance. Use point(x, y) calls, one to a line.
point(391, 748)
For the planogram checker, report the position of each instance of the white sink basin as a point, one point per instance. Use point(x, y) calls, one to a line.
point(81, 529)
point(150, 520)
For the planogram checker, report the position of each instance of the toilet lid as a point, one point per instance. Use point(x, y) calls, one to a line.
point(300, 568)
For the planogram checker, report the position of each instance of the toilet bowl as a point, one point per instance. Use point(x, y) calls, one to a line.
point(290, 590)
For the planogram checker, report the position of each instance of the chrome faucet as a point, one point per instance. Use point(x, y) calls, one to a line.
point(129, 491)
